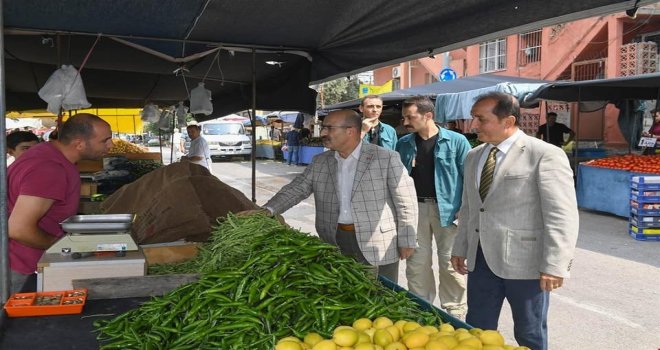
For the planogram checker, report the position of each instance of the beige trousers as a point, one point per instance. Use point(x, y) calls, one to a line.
point(419, 267)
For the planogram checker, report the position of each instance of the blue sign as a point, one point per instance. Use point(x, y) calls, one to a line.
point(447, 74)
point(365, 90)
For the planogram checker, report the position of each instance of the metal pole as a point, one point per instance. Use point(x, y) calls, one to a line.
point(253, 121)
point(4, 235)
point(577, 133)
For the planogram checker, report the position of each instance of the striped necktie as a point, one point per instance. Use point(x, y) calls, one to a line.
point(487, 173)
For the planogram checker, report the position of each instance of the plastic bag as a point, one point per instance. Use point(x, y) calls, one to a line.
point(64, 89)
point(150, 113)
point(285, 148)
point(200, 100)
point(165, 121)
point(181, 114)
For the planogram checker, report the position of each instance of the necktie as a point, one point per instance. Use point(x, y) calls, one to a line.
point(487, 173)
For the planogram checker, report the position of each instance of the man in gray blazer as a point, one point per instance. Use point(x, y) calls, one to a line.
point(518, 222)
point(365, 201)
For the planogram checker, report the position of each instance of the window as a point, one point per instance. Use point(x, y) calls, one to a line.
point(492, 56)
point(430, 78)
point(529, 47)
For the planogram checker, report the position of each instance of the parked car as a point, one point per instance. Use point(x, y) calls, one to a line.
point(226, 139)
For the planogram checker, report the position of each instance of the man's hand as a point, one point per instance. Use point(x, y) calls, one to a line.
point(458, 263)
point(550, 282)
point(405, 253)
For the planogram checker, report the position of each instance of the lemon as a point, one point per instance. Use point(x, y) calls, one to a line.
point(325, 345)
point(363, 338)
point(509, 347)
point(364, 346)
point(415, 339)
point(429, 330)
point(396, 346)
point(492, 347)
point(340, 328)
point(446, 327)
point(345, 337)
point(345, 348)
point(370, 332)
point(312, 338)
point(290, 339)
point(362, 324)
point(522, 348)
point(436, 345)
point(462, 336)
point(382, 337)
point(490, 337)
point(382, 322)
point(473, 342)
point(476, 331)
point(464, 347)
point(461, 330)
point(399, 324)
point(411, 326)
point(394, 331)
point(288, 345)
point(449, 340)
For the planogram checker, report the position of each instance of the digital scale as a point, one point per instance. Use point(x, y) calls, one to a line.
point(95, 246)
point(95, 233)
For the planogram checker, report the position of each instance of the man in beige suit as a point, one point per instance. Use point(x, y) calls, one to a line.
point(365, 201)
point(518, 223)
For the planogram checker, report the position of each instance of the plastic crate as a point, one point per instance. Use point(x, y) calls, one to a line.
point(645, 199)
point(645, 209)
point(643, 221)
point(641, 183)
point(63, 302)
point(643, 237)
point(425, 305)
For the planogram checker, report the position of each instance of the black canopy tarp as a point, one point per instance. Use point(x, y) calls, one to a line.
point(641, 87)
point(148, 46)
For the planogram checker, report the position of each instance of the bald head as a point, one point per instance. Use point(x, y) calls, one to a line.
point(80, 126)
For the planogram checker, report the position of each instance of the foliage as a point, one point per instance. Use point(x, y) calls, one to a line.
point(339, 90)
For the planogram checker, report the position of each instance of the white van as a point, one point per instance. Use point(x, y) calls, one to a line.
point(226, 139)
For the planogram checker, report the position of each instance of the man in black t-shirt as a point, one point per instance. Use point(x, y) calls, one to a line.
point(553, 132)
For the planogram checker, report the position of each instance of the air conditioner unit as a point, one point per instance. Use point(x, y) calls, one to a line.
point(396, 72)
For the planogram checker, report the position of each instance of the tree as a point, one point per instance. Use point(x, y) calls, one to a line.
point(338, 90)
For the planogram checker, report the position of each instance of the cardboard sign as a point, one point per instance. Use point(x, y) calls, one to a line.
point(647, 142)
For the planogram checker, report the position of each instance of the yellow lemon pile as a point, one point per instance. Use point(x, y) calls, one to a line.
point(384, 334)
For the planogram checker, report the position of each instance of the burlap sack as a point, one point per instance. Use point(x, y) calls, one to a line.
point(181, 200)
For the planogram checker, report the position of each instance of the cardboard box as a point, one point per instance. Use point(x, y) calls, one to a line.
point(57, 271)
point(168, 253)
point(87, 189)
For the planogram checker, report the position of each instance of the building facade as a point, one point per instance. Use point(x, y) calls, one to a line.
point(593, 48)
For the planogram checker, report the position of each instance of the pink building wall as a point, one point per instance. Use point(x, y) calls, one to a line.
point(561, 46)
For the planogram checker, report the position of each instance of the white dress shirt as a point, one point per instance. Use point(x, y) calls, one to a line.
point(503, 148)
point(346, 169)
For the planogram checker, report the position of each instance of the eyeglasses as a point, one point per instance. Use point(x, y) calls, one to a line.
point(330, 127)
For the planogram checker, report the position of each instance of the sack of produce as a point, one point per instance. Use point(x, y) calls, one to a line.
point(179, 201)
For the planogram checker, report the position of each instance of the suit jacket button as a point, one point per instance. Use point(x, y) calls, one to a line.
point(482, 210)
point(476, 230)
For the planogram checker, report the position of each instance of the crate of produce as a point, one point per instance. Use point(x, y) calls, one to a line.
point(645, 196)
point(648, 183)
point(63, 302)
point(637, 208)
point(643, 237)
point(425, 305)
point(643, 221)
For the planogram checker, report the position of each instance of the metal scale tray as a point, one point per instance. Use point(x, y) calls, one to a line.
point(102, 223)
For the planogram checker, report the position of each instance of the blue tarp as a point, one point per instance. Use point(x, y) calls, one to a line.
point(453, 106)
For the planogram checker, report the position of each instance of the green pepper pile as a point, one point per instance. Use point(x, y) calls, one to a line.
point(260, 281)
